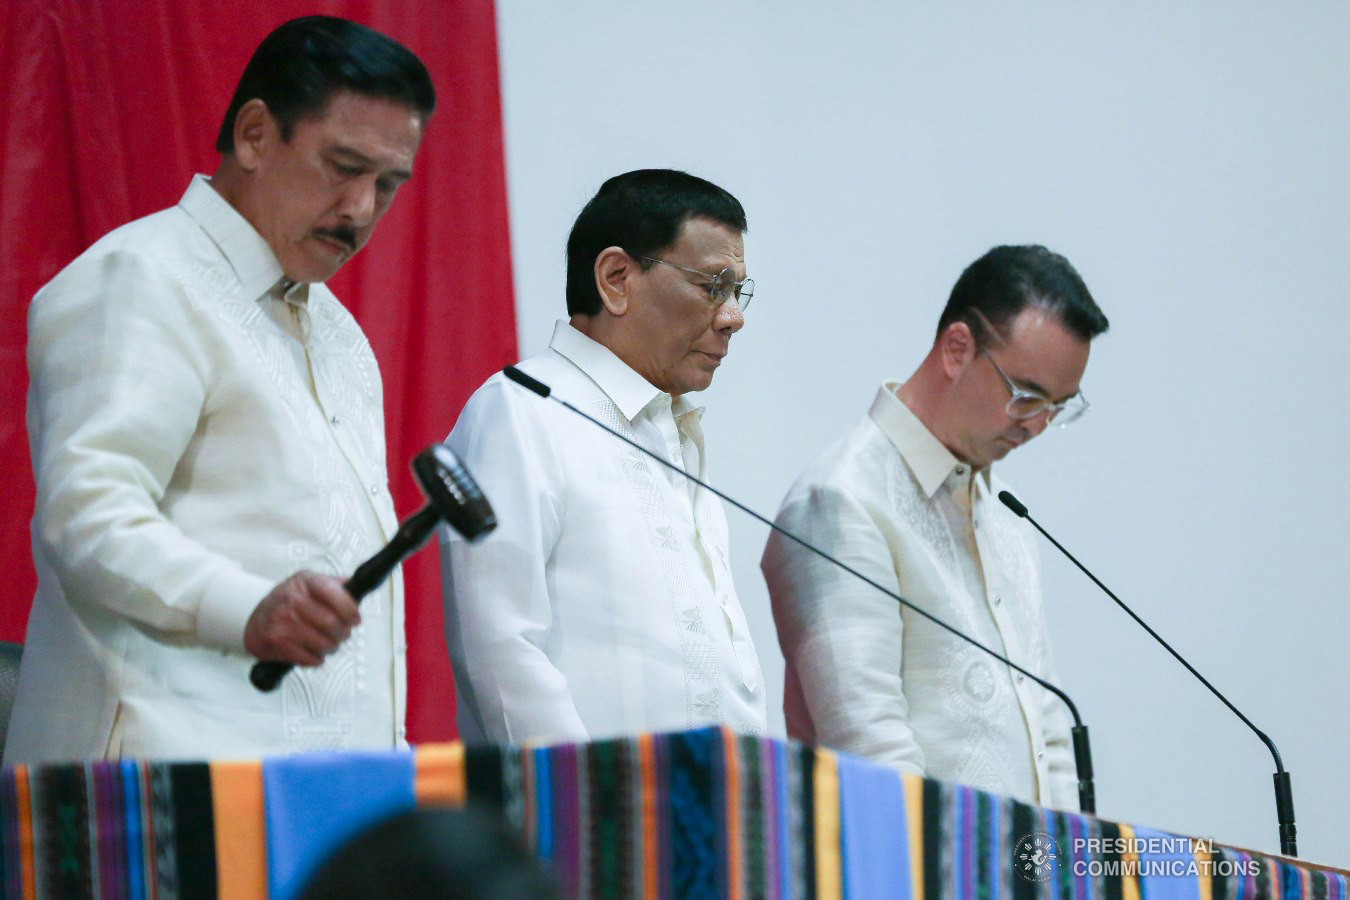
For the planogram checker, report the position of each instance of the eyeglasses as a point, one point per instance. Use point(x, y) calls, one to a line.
point(1029, 404)
point(1026, 404)
point(721, 287)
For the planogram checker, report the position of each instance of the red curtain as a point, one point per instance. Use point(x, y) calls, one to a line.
point(111, 105)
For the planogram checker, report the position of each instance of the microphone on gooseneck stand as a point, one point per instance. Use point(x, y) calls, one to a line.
point(1087, 798)
point(1284, 797)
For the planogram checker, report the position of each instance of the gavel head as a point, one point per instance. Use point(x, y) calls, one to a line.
point(452, 492)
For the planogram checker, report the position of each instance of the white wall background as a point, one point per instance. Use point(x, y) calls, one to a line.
point(1192, 160)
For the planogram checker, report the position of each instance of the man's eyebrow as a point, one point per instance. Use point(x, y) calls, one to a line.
point(1029, 385)
point(352, 155)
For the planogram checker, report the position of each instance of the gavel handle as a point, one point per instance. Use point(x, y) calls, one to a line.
point(266, 675)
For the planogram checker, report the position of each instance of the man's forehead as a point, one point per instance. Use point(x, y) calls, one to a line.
point(377, 132)
point(1043, 355)
point(1036, 324)
point(705, 237)
point(348, 109)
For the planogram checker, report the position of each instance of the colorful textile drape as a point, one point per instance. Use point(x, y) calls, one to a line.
point(111, 107)
point(699, 814)
point(318, 801)
point(876, 830)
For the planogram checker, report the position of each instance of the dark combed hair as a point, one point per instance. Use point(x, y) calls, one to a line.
point(642, 212)
point(1008, 279)
point(299, 66)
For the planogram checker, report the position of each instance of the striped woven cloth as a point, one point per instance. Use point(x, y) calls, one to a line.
point(698, 814)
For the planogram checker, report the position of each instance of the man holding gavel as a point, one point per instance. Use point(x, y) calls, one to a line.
point(207, 431)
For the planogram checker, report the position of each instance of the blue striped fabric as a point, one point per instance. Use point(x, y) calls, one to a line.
point(135, 829)
point(543, 798)
point(317, 801)
point(1167, 868)
point(875, 832)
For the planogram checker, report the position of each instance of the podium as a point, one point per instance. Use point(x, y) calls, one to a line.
point(703, 813)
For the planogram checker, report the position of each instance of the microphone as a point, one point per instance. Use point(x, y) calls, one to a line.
point(1087, 797)
point(451, 494)
point(1284, 797)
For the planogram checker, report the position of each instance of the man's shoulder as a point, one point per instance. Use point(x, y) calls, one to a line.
point(549, 367)
point(165, 231)
point(556, 371)
point(159, 244)
point(850, 459)
point(500, 403)
point(844, 488)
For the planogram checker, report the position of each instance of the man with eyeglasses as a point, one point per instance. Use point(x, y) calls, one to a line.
point(603, 603)
point(908, 498)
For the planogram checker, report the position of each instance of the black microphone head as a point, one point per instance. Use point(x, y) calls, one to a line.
point(1013, 503)
point(525, 381)
point(451, 490)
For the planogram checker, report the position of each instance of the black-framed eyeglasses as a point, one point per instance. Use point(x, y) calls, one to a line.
point(721, 287)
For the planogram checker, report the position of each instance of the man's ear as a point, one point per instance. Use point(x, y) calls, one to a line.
point(614, 274)
point(957, 349)
point(254, 130)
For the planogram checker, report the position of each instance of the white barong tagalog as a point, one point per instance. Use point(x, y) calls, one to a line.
point(603, 603)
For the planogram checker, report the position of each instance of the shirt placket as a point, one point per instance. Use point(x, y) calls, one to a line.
point(374, 489)
point(672, 451)
point(1000, 598)
point(713, 548)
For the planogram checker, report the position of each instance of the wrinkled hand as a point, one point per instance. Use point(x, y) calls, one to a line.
point(301, 620)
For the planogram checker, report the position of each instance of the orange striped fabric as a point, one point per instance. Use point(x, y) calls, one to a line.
point(732, 776)
point(241, 845)
point(913, 785)
point(649, 811)
point(439, 776)
point(27, 862)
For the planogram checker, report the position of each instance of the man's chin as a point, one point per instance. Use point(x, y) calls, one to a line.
point(692, 385)
point(1000, 449)
point(992, 453)
point(310, 271)
point(703, 383)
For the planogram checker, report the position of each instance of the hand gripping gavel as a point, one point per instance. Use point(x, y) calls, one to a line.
point(452, 495)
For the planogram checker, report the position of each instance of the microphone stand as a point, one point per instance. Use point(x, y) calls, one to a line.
point(1082, 751)
point(1284, 797)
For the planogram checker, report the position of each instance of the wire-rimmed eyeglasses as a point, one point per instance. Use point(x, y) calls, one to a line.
point(1026, 404)
point(721, 287)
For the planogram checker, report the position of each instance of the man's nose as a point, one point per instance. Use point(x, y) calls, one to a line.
point(1037, 423)
point(358, 201)
point(729, 317)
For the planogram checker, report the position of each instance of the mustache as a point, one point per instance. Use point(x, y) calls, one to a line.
point(342, 235)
